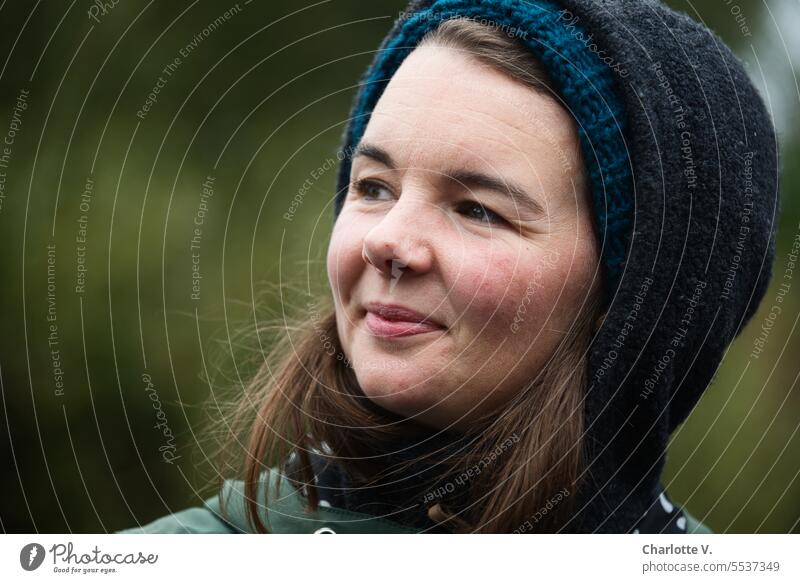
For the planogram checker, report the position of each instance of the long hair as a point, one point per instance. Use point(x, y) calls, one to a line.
point(520, 465)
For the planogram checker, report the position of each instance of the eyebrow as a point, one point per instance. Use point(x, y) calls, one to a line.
point(468, 178)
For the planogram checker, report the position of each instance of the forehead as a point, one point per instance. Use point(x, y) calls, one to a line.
point(442, 103)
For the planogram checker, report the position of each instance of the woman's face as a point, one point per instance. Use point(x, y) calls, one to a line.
point(467, 205)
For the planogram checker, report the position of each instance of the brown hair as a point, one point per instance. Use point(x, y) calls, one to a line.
point(493, 47)
point(305, 395)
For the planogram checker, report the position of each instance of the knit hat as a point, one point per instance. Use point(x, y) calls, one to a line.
point(683, 167)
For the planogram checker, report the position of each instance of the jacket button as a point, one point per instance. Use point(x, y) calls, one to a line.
point(325, 530)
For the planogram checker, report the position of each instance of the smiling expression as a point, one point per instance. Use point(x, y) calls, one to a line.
point(465, 248)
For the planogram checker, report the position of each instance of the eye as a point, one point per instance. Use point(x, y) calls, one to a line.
point(369, 189)
point(475, 210)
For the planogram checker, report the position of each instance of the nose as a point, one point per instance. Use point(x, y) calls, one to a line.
point(400, 243)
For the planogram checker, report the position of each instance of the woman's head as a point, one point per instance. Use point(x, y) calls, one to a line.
point(472, 209)
point(468, 204)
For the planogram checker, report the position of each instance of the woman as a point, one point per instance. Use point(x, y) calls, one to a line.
point(552, 219)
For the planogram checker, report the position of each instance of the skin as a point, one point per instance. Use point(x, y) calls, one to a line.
point(506, 282)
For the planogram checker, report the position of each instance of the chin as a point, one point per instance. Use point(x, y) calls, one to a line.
point(401, 393)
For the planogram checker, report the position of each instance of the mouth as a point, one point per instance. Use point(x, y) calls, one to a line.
point(395, 321)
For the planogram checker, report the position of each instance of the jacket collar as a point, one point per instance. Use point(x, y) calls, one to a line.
point(286, 511)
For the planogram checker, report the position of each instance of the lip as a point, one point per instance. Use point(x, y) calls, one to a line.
point(393, 320)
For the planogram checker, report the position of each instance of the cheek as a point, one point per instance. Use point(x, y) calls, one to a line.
point(555, 286)
point(344, 256)
point(489, 288)
point(501, 287)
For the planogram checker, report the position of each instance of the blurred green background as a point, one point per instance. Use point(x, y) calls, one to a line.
point(257, 104)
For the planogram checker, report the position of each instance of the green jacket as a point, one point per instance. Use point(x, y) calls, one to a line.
point(286, 515)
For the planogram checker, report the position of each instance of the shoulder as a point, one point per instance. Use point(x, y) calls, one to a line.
point(284, 512)
point(205, 519)
point(663, 516)
point(694, 526)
